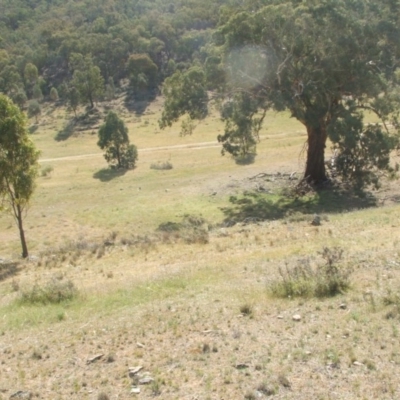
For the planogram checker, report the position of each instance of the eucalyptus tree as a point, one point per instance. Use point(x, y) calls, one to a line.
point(34, 109)
point(18, 165)
point(114, 139)
point(73, 99)
point(327, 62)
point(143, 74)
point(87, 79)
point(31, 76)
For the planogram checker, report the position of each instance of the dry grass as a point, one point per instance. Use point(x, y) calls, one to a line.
point(196, 316)
point(55, 291)
point(327, 279)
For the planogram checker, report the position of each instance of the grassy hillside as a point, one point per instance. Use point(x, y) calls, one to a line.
point(185, 297)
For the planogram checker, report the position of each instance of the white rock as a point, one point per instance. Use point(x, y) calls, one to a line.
point(146, 380)
point(134, 370)
point(358, 364)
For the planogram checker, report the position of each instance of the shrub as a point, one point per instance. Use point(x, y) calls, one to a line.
point(53, 292)
point(34, 109)
point(53, 94)
point(19, 98)
point(161, 165)
point(295, 281)
point(46, 171)
point(37, 93)
point(246, 310)
point(331, 279)
point(326, 280)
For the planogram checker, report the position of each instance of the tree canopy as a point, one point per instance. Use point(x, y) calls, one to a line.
point(143, 74)
point(39, 38)
point(18, 164)
point(87, 79)
point(113, 137)
point(327, 63)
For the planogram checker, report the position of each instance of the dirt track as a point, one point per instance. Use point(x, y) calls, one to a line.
point(200, 145)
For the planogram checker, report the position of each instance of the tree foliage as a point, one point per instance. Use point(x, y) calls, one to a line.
point(34, 109)
point(185, 93)
point(19, 97)
point(327, 63)
point(37, 93)
point(73, 99)
point(40, 37)
point(31, 75)
point(54, 94)
point(114, 139)
point(241, 127)
point(87, 80)
point(143, 74)
point(18, 164)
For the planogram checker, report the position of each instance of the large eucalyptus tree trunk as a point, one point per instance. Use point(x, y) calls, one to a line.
point(315, 166)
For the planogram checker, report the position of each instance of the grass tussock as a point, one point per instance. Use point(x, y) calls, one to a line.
point(46, 171)
point(302, 280)
point(55, 291)
point(392, 300)
point(192, 229)
point(166, 165)
point(246, 310)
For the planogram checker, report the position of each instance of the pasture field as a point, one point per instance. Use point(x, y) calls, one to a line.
point(171, 270)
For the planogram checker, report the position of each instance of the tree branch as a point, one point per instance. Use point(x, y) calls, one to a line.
point(374, 110)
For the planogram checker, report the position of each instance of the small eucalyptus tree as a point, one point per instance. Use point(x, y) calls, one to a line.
point(18, 165)
point(114, 139)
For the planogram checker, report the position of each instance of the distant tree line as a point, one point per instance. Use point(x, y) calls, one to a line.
point(79, 51)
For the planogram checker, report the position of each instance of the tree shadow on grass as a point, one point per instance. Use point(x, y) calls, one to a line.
point(247, 159)
point(255, 206)
point(66, 132)
point(139, 103)
point(108, 174)
point(9, 269)
point(33, 129)
point(89, 120)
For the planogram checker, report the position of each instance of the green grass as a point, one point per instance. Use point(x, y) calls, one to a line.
point(35, 307)
point(17, 317)
point(55, 291)
point(83, 195)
